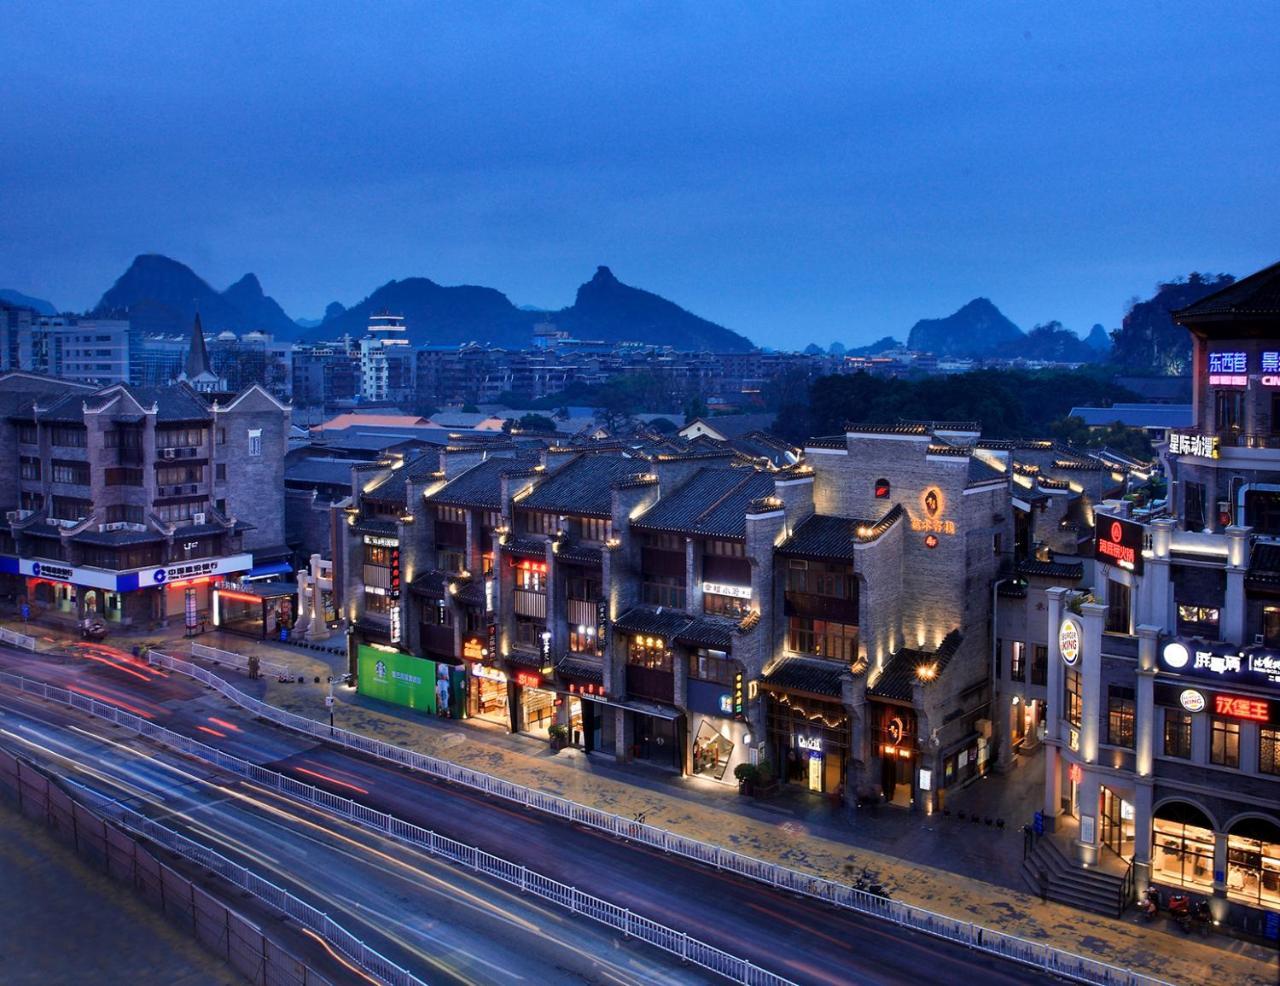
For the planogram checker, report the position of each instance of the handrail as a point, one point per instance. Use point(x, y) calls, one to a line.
point(1126, 890)
point(239, 661)
point(622, 919)
point(15, 639)
point(1055, 961)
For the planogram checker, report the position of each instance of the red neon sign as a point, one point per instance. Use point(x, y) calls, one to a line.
point(528, 679)
point(1075, 772)
point(1241, 708)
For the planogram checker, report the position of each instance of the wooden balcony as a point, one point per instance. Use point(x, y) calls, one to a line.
point(531, 604)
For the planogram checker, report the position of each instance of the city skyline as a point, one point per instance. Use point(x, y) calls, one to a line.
point(831, 178)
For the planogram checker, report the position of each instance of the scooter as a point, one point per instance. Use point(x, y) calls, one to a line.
point(1151, 904)
point(1180, 911)
point(1201, 917)
point(868, 883)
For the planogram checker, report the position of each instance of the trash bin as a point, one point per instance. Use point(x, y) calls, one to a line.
point(284, 634)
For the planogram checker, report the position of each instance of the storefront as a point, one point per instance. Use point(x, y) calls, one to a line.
point(716, 727)
point(808, 739)
point(536, 703)
point(255, 609)
point(176, 593)
point(489, 695)
point(432, 687)
point(896, 732)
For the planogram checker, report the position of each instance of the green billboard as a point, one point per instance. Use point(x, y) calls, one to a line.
point(396, 678)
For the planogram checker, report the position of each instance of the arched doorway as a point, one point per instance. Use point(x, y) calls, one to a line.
point(1253, 861)
point(1182, 841)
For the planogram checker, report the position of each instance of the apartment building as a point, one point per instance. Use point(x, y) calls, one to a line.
point(127, 503)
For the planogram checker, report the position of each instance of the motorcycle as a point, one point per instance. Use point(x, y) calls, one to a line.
point(1201, 917)
point(1151, 904)
point(1180, 911)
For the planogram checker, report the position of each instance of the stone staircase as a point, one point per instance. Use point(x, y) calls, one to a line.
point(1052, 876)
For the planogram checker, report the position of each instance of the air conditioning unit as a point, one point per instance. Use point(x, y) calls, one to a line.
point(197, 518)
point(170, 453)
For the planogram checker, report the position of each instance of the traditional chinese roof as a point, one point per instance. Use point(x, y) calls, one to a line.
point(670, 624)
point(119, 538)
point(578, 554)
point(900, 674)
point(711, 503)
point(805, 674)
point(1070, 571)
point(573, 667)
point(584, 485)
point(820, 536)
point(525, 547)
point(1257, 294)
point(480, 487)
point(373, 525)
point(1264, 567)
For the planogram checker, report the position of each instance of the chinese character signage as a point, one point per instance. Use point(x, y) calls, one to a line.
point(1221, 661)
point(1228, 363)
point(1187, 443)
point(1239, 707)
point(932, 522)
point(1118, 542)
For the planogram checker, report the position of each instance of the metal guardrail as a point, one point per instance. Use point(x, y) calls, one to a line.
point(632, 925)
point(15, 639)
point(1054, 961)
point(240, 662)
point(357, 951)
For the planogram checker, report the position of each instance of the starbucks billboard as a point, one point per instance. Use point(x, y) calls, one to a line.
point(396, 678)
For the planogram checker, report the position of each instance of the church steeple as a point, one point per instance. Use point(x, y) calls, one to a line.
point(197, 363)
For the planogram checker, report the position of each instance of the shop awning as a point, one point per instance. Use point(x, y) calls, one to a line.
point(270, 568)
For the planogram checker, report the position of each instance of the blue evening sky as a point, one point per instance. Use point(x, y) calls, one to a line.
point(798, 172)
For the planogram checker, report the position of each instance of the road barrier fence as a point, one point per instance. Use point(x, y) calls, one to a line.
point(15, 639)
point(1055, 961)
point(239, 661)
point(632, 925)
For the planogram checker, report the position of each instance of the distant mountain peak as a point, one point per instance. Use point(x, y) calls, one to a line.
point(604, 275)
point(249, 285)
point(977, 328)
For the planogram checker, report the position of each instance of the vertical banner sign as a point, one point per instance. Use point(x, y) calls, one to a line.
point(737, 694)
point(190, 600)
point(493, 641)
point(602, 619)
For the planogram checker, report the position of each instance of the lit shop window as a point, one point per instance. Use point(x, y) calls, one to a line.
point(1182, 851)
point(1253, 862)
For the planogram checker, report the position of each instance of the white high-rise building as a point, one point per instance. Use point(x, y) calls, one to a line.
point(386, 360)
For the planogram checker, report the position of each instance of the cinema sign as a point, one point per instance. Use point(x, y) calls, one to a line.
point(1118, 542)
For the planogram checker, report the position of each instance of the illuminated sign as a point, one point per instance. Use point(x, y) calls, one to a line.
point(1221, 660)
point(587, 688)
point(926, 779)
point(381, 542)
point(489, 674)
point(473, 649)
point(933, 504)
point(1188, 443)
point(931, 540)
point(726, 704)
point(722, 589)
point(393, 615)
point(1069, 641)
point(493, 639)
point(895, 729)
point(528, 679)
point(126, 581)
point(1191, 700)
point(1118, 542)
point(533, 566)
point(738, 705)
point(1237, 707)
point(811, 743)
point(1075, 773)
point(1229, 369)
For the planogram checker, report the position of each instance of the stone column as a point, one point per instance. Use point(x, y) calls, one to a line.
point(1090, 664)
point(1144, 756)
point(1233, 610)
point(1087, 792)
point(1054, 600)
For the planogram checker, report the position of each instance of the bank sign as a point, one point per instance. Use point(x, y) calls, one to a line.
point(141, 578)
point(396, 678)
point(1118, 542)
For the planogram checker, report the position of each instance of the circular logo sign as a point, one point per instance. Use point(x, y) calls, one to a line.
point(1191, 700)
point(1069, 641)
point(35, 568)
point(896, 729)
point(158, 576)
point(1176, 655)
point(932, 502)
point(1116, 531)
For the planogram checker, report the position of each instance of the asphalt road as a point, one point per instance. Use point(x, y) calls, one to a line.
point(795, 937)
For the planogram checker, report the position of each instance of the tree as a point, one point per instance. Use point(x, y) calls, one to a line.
point(537, 422)
point(663, 426)
point(695, 407)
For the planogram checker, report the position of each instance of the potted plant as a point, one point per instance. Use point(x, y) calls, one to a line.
point(559, 736)
point(747, 776)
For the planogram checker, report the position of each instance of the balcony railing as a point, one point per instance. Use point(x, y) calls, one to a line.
point(581, 613)
point(531, 604)
point(178, 489)
point(1241, 439)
